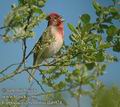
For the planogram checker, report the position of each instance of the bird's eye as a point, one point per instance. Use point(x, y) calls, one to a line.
point(55, 17)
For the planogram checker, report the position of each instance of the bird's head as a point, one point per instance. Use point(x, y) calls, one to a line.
point(54, 19)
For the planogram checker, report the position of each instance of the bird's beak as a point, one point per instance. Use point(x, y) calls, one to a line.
point(63, 20)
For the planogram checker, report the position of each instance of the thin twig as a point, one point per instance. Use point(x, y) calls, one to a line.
point(24, 40)
point(36, 81)
point(56, 91)
point(5, 69)
point(20, 71)
point(3, 27)
point(17, 71)
point(10, 75)
point(24, 51)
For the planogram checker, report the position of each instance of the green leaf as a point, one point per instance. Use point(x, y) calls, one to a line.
point(72, 28)
point(6, 38)
point(105, 45)
point(98, 38)
point(21, 1)
point(108, 20)
point(41, 3)
point(68, 79)
point(111, 31)
point(37, 10)
point(103, 67)
point(117, 17)
point(62, 84)
point(59, 86)
point(116, 46)
point(87, 27)
point(33, 1)
point(99, 56)
point(52, 69)
point(109, 38)
point(73, 38)
point(97, 6)
point(104, 26)
point(113, 10)
point(90, 66)
point(85, 18)
point(76, 72)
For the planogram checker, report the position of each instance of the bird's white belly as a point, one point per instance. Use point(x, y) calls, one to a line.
point(56, 45)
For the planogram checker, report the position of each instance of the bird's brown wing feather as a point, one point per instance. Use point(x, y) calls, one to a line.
point(41, 46)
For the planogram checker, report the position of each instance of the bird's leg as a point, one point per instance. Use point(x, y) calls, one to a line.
point(41, 73)
point(47, 63)
point(54, 60)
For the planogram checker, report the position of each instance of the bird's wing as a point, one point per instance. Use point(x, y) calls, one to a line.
point(41, 45)
point(39, 49)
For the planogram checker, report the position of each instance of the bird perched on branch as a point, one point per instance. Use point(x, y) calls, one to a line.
point(50, 42)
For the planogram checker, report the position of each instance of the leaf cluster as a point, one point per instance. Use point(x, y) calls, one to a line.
point(23, 18)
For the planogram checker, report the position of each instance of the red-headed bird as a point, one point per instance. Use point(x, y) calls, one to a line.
point(50, 42)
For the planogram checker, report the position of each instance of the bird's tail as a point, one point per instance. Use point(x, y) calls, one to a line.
point(32, 73)
point(36, 62)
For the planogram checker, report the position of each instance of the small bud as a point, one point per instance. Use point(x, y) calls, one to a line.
point(13, 6)
point(41, 3)
point(6, 38)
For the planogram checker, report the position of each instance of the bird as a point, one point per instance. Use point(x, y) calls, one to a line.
point(50, 42)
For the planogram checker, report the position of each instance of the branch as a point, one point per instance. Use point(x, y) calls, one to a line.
point(17, 71)
point(3, 27)
point(5, 69)
point(10, 75)
point(24, 40)
point(24, 48)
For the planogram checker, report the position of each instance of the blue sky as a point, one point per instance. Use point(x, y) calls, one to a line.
point(70, 10)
